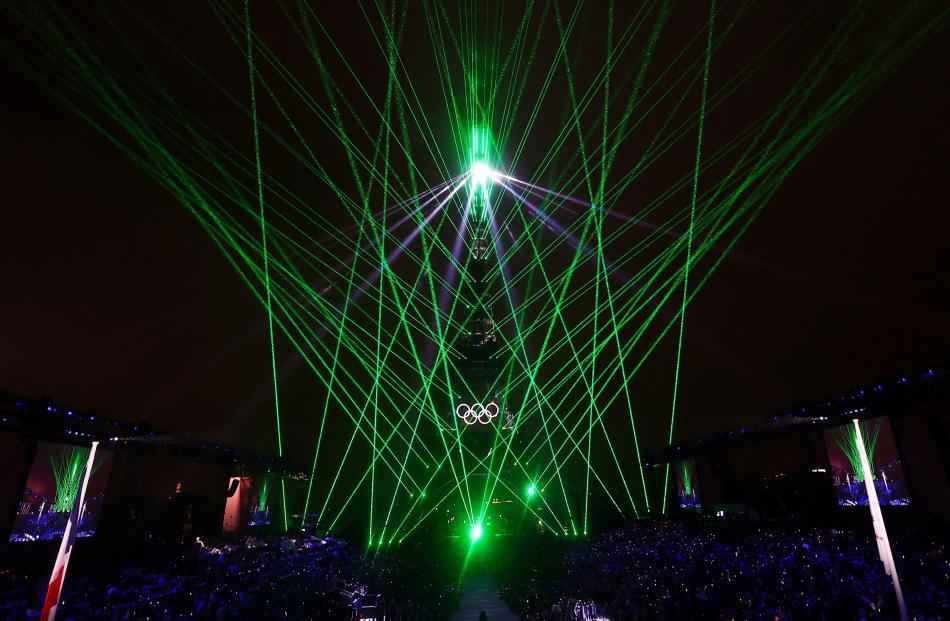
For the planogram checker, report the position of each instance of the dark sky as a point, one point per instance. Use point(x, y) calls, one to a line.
point(115, 301)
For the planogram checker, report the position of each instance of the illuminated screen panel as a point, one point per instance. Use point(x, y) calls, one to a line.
point(845, 459)
point(260, 514)
point(52, 486)
point(687, 487)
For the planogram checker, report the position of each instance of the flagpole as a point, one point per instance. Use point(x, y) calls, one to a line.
point(880, 532)
point(58, 575)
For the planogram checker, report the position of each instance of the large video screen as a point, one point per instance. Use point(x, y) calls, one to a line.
point(260, 514)
point(845, 457)
point(51, 489)
point(687, 488)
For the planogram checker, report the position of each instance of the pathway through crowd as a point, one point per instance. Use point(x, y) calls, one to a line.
point(480, 593)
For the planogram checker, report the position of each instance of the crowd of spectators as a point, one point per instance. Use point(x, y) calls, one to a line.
point(290, 578)
point(665, 570)
point(649, 570)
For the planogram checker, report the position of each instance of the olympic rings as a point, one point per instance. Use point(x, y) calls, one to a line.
point(483, 414)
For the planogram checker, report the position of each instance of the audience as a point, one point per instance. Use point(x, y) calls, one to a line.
point(305, 578)
point(650, 570)
point(663, 570)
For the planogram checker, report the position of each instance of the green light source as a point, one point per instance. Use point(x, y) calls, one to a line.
point(531, 491)
point(475, 533)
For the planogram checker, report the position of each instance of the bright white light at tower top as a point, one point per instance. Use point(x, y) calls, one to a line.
point(481, 173)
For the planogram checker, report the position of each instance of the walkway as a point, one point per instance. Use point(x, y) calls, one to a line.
point(480, 593)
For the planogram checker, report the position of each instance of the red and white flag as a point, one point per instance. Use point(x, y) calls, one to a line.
point(877, 518)
point(55, 587)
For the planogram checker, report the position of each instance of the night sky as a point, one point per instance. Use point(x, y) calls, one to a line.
point(115, 301)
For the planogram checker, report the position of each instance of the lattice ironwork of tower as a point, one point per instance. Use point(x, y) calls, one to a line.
point(480, 363)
